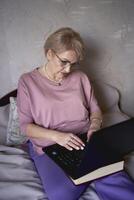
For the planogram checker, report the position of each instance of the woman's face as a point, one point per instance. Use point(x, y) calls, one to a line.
point(62, 63)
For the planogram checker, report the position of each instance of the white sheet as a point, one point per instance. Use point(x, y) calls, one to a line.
point(18, 178)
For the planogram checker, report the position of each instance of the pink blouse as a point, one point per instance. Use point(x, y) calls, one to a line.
point(65, 107)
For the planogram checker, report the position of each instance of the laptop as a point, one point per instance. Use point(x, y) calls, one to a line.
point(106, 147)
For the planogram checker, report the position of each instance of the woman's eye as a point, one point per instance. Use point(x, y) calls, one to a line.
point(75, 64)
point(64, 62)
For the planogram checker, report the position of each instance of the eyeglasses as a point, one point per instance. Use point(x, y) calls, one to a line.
point(65, 63)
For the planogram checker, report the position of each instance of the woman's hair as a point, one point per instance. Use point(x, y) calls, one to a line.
point(65, 39)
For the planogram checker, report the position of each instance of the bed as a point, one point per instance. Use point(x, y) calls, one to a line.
point(18, 176)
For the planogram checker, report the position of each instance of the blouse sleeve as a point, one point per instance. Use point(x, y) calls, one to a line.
point(23, 106)
point(90, 96)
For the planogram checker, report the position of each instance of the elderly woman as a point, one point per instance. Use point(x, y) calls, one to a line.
point(55, 103)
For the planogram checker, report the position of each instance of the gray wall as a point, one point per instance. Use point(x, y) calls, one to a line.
point(107, 27)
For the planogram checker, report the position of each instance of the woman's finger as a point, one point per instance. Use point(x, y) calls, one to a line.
point(76, 145)
point(68, 147)
point(76, 139)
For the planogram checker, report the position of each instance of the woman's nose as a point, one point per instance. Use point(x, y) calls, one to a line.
point(67, 69)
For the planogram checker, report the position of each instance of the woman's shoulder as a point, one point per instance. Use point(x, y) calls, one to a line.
point(27, 75)
point(78, 74)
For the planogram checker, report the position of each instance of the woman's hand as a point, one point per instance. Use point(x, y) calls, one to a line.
point(69, 140)
point(90, 132)
point(95, 126)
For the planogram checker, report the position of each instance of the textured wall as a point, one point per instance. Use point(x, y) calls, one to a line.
point(107, 27)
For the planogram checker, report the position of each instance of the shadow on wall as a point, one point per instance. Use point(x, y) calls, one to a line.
point(93, 56)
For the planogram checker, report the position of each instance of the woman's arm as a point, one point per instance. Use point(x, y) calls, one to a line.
point(96, 119)
point(95, 114)
point(96, 123)
point(68, 140)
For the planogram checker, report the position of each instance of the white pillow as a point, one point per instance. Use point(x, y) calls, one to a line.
point(4, 118)
point(14, 135)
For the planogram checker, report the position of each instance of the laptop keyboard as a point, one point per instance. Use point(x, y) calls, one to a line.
point(69, 158)
point(65, 158)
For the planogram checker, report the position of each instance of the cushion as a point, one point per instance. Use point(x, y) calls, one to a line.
point(107, 96)
point(4, 117)
point(110, 118)
point(14, 135)
point(129, 164)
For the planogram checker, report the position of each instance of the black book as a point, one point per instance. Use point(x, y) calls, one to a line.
point(102, 155)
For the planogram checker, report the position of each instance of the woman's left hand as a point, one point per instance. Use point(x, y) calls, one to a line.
point(91, 130)
point(96, 123)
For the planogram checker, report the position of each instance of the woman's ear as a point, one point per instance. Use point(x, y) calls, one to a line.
point(49, 54)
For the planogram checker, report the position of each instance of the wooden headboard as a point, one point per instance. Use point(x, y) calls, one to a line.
point(5, 99)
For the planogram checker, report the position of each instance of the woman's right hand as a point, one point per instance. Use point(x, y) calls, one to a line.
point(69, 140)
